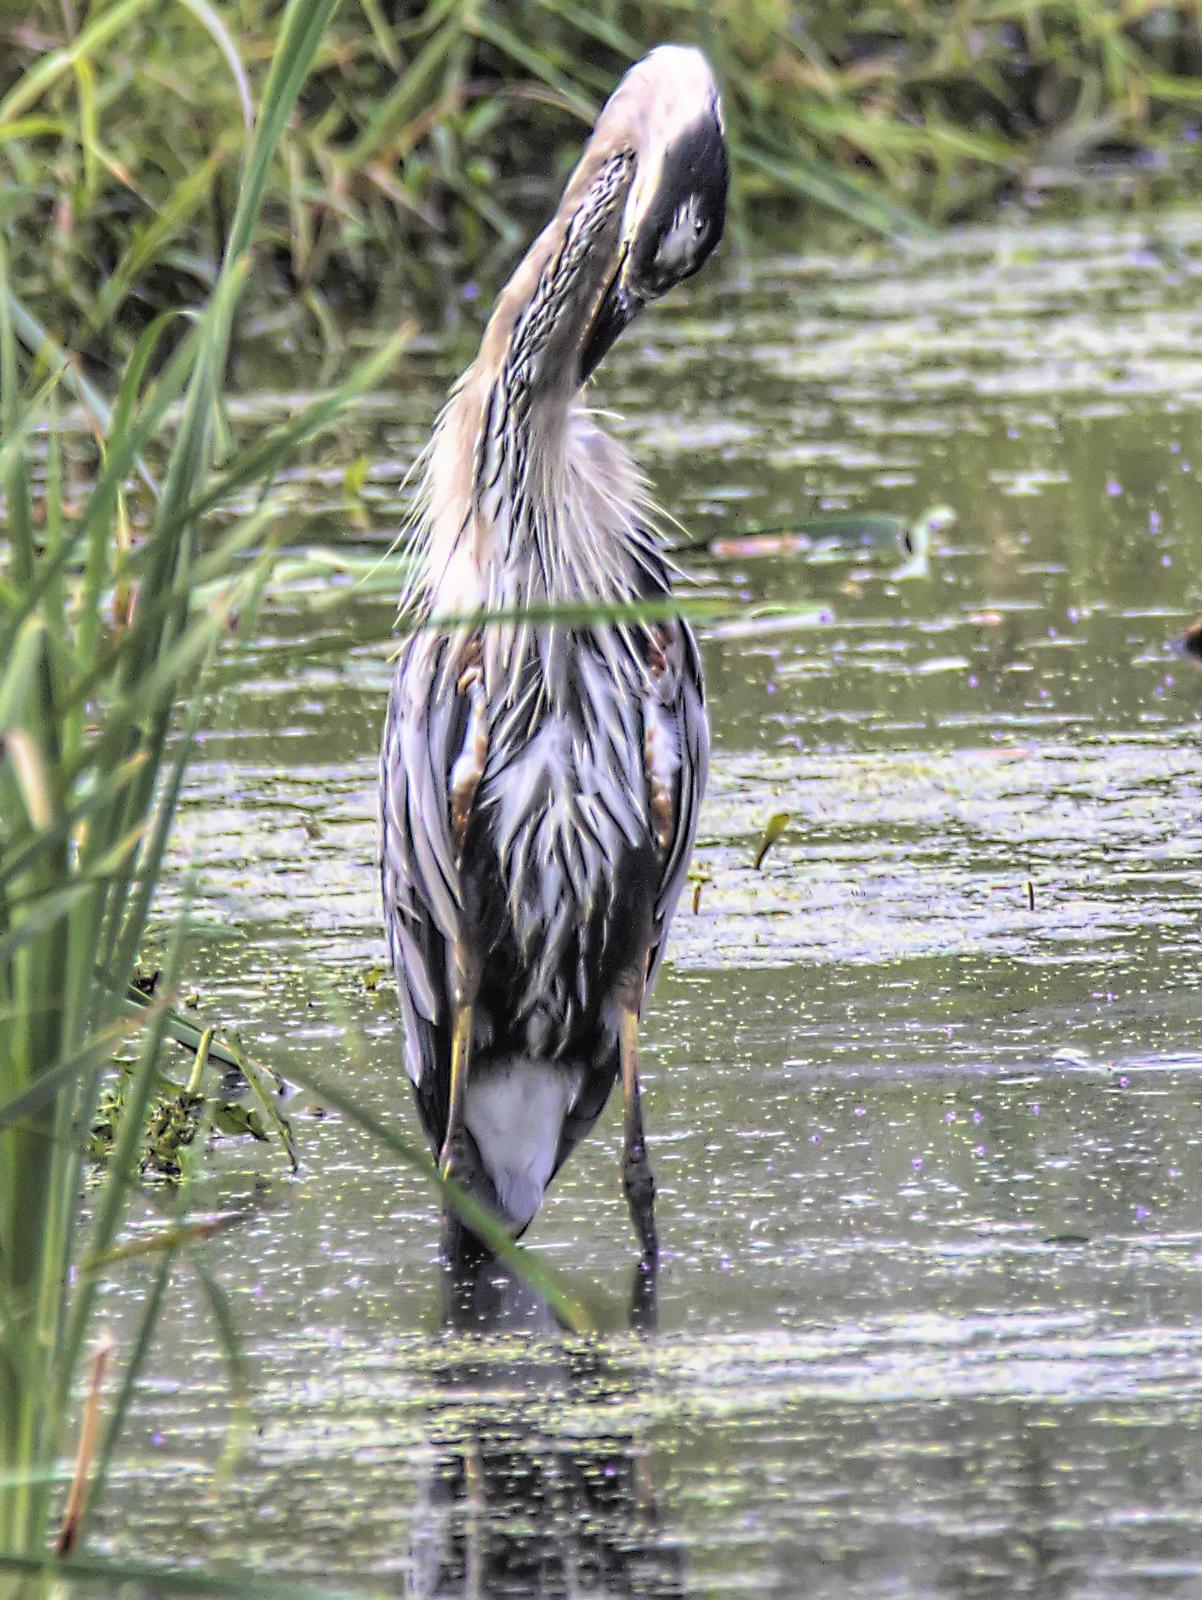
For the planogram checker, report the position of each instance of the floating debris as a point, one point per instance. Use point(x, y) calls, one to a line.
point(811, 533)
point(774, 831)
point(917, 542)
point(698, 877)
point(183, 1114)
point(769, 619)
point(832, 538)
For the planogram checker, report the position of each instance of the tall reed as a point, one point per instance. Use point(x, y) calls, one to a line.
point(408, 167)
point(99, 649)
point(115, 596)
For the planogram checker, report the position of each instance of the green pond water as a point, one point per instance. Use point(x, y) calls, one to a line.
point(929, 1156)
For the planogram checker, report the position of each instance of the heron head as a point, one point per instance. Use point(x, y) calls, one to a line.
point(667, 112)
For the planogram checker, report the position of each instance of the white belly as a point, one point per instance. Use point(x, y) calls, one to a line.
point(515, 1114)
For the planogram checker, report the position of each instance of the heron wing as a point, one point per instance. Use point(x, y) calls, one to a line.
point(675, 708)
point(419, 871)
point(682, 704)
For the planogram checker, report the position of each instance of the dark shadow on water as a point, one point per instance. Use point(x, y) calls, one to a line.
point(541, 1477)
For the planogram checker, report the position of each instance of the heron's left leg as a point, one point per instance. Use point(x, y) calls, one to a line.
point(636, 1169)
point(454, 1143)
point(454, 1159)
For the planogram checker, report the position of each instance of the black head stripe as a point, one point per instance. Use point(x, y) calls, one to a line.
point(694, 176)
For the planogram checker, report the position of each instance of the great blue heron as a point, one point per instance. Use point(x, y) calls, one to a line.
point(540, 779)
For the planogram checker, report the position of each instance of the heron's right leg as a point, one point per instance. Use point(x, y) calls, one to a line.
point(643, 1315)
point(636, 1169)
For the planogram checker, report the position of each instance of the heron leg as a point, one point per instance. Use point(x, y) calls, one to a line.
point(636, 1169)
point(644, 1299)
point(454, 1160)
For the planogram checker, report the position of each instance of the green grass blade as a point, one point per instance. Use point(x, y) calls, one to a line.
point(211, 21)
point(34, 83)
point(481, 1221)
point(192, 192)
point(96, 1052)
point(155, 1579)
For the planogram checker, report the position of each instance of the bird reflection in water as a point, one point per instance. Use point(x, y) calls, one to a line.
point(541, 1487)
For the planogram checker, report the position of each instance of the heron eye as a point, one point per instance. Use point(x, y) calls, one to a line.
point(699, 226)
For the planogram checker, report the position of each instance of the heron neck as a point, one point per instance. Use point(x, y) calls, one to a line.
point(558, 509)
point(527, 500)
point(535, 338)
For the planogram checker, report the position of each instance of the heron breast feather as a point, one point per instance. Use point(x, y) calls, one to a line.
point(563, 804)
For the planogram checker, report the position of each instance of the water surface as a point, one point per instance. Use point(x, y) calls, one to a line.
point(923, 1092)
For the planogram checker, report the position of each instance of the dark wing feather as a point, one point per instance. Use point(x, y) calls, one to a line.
point(682, 697)
point(419, 875)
